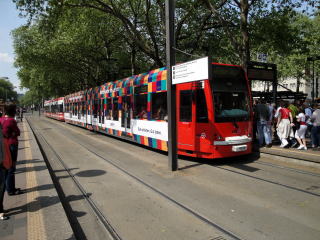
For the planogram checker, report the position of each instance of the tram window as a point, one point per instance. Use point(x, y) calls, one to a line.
point(61, 108)
point(89, 108)
point(159, 106)
point(201, 104)
point(95, 109)
point(83, 108)
point(115, 112)
point(140, 106)
point(231, 106)
point(79, 109)
point(76, 109)
point(102, 110)
point(109, 109)
point(186, 106)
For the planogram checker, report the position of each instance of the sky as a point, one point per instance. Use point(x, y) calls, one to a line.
point(9, 20)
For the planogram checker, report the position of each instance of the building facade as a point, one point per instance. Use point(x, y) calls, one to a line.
point(289, 84)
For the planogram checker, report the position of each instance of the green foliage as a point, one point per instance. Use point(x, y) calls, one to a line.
point(7, 92)
point(75, 44)
point(29, 98)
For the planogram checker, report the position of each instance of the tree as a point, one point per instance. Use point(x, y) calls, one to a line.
point(7, 92)
point(80, 49)
point(74, 44)
point(238, 18)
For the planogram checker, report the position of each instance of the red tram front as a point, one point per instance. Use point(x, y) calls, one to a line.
point(214, 117)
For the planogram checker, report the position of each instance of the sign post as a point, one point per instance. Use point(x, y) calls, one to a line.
point(171, 91)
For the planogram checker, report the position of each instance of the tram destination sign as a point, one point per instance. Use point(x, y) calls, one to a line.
point(195, 70)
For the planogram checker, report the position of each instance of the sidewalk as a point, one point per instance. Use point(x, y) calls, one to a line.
point(37, 213)
point(306, 155)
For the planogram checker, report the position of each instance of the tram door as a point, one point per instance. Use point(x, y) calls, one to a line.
point(126, 113)
point(185, 117)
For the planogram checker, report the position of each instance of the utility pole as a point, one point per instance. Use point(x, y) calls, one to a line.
point(313, 59)
point(312, 93)
point(171, 89)
point(317, 85)
point(39, 106)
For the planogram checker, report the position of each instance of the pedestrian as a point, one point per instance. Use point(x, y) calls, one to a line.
point(10, 133)
point(3, 174)
point(315, 131)
point(262, 116)
point(271, 107)
point(294, 109)
point(21, 114)
point(308, 113)
point(5, 164)
point(284, 125)
point(277, 108)
point(301, 129)
point(254, 123)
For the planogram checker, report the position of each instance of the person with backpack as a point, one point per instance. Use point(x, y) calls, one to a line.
point(262, 116)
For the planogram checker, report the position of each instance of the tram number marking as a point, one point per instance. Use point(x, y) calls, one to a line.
point(239, 148)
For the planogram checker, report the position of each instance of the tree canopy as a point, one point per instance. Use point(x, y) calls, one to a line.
point(7, 92)
point(70, 45)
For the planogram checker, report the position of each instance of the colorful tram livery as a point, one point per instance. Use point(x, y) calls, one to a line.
point(55, 108)
point(214, 117)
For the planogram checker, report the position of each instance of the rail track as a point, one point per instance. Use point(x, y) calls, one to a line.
point(101, 216)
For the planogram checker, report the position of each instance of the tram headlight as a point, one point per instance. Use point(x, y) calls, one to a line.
point(218, 137)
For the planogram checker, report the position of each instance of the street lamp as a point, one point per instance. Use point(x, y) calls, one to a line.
point(313, 59)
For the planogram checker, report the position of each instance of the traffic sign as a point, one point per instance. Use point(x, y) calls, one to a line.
point(262, 57)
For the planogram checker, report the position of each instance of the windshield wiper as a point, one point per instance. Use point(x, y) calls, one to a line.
point(235, 124)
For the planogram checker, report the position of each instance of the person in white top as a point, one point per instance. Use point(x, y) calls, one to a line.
point(301, 131)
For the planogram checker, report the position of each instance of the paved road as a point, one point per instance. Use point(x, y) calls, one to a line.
point(247, 198)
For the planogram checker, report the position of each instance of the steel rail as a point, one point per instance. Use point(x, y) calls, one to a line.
point(254, 177)
point(86, 196)
point(158, 191)
point(287, 168)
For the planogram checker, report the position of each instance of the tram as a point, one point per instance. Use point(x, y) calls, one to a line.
point(214, 116)
point(55, 108)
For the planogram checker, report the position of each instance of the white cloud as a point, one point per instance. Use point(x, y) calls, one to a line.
point(5, 57)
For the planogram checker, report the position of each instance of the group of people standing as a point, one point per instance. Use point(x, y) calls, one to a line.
point(289, 122)
point(9, 133)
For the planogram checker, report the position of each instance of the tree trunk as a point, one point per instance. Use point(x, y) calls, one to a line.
point(133, 60)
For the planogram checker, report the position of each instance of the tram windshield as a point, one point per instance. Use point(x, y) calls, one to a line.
point(230, 93)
